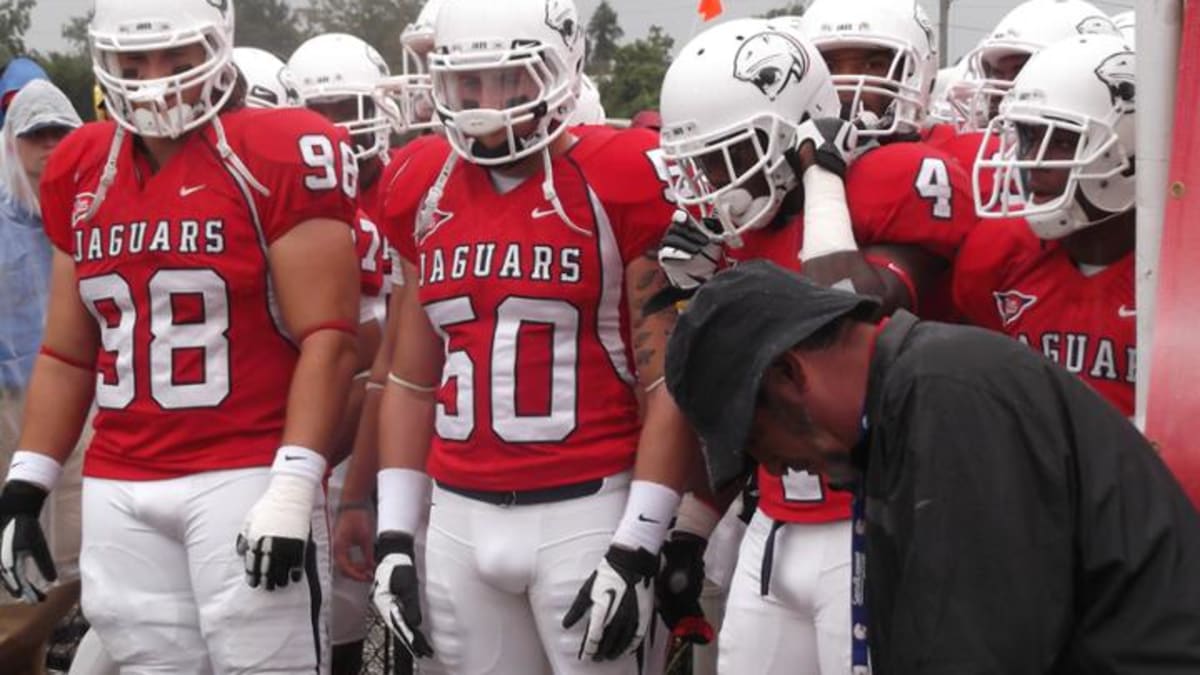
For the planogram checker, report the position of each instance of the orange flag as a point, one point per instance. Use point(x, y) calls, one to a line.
point(710, 9)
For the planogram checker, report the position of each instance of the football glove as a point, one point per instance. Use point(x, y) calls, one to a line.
point(275, 537)
point(835, 142)
point(396, 592)
point(22, 540)
point(690, 254)
point(680, 580)
point(618, 599)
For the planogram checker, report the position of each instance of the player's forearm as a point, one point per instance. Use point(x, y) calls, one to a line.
point(667, 448)
point(852, 271)
point(405, 427)
point(320, 385)
point(364, 460)
point(56, 407)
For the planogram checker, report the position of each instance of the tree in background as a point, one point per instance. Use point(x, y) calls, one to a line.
point(603, 33)
point(637, 75)
point(271, 25)
point(376, 21)
point(14, 21)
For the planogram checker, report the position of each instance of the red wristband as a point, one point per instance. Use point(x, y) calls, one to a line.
point(338, 325)
point(901, 274)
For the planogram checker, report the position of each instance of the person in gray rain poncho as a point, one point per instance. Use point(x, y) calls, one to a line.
point(38, 117)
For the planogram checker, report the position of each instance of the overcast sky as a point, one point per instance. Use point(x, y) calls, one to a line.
point(969, 19)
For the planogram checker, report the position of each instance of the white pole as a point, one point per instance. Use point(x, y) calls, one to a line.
point(1158, 30)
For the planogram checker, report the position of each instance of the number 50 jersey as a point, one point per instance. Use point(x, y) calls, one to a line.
point(194, 363)
point(538, 381)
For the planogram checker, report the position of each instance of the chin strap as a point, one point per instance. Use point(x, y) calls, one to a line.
point(424, 225)
point(232, 160)
point(551, 195)
point(108, 175)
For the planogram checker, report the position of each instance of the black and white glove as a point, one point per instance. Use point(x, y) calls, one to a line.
point(397, 591)
point(680, 580)
point(690, 254)
point(835, 142)
point(620, 596)
point(275, 536)
point(21, 540)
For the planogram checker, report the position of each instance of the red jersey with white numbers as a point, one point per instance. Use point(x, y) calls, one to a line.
point(194, 363)
point(1009, 280)
point(964, 148)
point(538, 382)
point(371, 249)
point(898, 194)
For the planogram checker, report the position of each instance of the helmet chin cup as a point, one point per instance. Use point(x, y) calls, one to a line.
point(739, 211)
point(480, 121)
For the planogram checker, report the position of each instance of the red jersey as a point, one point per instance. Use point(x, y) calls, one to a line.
point(194, 363)
point(372, 254)
point(964, 148)
point(1009, 280)
point(538, 382)
point(939, 133)
point(898, 194)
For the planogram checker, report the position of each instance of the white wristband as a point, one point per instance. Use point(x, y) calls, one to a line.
point(403, 500)
point(34, 467)
point(297, 460)
point(827, 227)
point(648, 514)
point(696, 517)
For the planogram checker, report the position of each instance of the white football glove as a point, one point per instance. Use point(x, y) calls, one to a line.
point(689, 255)
point(275, 536)
point(620, 594)
point(21, 540)
point(397, 593)
point(835, 141)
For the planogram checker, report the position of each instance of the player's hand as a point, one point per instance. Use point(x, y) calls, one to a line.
point(354, 531)
point(21, 540)
point(618, 599)
point(829, 142)
point(397, 591)
point(680, 580)
point(274, 538)
point(689, 254)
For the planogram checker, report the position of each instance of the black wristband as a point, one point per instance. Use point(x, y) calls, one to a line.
point(394, 542)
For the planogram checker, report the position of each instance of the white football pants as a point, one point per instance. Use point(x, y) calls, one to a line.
point(803, 624)
point(500, 580)
point(166, 592)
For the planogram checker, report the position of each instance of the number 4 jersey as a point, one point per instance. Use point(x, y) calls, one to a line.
point(194, 364)
point(538, 382)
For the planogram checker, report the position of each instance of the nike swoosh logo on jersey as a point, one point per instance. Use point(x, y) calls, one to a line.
point(185, 191)
point(1126, 313)
point(542, 213)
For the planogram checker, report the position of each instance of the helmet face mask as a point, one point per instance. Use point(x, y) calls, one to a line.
point(125, 33)
point(269, 83)
point(1066, 139)
point(412, 89)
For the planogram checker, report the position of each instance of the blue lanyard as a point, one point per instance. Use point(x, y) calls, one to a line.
point(860, 655)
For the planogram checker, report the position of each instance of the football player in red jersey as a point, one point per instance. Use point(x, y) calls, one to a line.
point(742, 146)
point(204, 295)
point(1054, 263)
point(999, 57)
point(521, 346)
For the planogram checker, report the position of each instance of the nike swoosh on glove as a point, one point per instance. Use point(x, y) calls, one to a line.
point(689, 253)
point(397, 593)
point(680, 580)
point(22, 540)
point(620, 595)
point(274, 539)
point(835, 142)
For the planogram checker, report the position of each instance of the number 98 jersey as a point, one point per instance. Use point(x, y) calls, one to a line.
point(194, 362)
point(537, 387)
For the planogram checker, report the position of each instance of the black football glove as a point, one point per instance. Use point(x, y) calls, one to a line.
point(680, 580)
point(620, 597)
point(22, 540)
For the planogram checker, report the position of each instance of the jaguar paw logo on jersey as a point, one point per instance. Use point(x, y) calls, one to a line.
point(770, 61)
point(83, 204)
point(1012, 304)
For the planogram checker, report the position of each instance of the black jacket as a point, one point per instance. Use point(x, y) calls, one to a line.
point(1016, 523)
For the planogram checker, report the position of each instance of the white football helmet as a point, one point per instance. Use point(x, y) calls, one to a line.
point(158, 107)
point(731, 104)
point(269, 83)
point(1078, 91)
point(899, 26)
point(588, 109)
point(1126, 22)
point(412, 88)
point(336, 67)
point(941, 110)
point(1027, 29)
point(500, 65)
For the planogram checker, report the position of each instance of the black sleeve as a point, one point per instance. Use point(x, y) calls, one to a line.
point(981, 519)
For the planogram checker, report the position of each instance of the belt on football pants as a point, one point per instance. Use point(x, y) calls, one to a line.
point(548, 495)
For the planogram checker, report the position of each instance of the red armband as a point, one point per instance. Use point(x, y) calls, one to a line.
point(901, 274)
point(340, 326)
point(67, 360)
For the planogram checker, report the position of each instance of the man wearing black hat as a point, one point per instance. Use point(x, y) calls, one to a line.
point(1014, 521)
